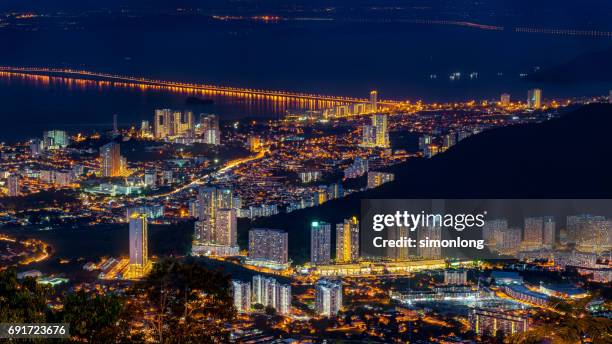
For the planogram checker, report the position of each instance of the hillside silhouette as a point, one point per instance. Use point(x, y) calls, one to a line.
point(567, 157)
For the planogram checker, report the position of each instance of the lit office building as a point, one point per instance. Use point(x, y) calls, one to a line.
point(455, 277)
point(534, 98)
point(55, 139)
point(139, 263)
point(484, 321)
point(241, 292)
point(347, 241)
point(328, 297)
point(215, 230)
point(111, 162)
point(320, 243)
point(171, 123)
point(376, 179)
point(268, 248)
point(13, 185)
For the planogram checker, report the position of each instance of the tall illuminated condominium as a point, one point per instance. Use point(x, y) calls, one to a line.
point(216, 228)
point(13, 185)
point(139, 263)
point(208, 128)
point(55, 139)
point(539, 232)
point(534, 98)
point(268, 248)
point(268, 292)
point(347, 241)
point(171, 123)
point(112, 164)
point(374, 100)
point(328, 297)
point(320, 243)
point(377, 134)
point(241, 292)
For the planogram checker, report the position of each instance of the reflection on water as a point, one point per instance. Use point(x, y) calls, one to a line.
point(32, 103)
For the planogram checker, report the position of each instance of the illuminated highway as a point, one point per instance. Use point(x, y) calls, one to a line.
point(183, 86)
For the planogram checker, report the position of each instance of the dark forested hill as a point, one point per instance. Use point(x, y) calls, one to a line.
point(569, 157)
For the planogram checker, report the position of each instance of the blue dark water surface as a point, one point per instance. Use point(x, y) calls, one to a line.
point(342, 58)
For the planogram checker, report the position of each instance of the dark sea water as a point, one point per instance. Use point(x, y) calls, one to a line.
point(338, 58)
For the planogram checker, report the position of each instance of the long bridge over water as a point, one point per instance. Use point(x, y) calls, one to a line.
point(184, 86)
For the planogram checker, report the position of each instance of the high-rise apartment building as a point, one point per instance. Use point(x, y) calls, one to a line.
point(241, 291)
point(216, 228)
point(328, 297)
point(347, 241)
point(139, 263)
point(320, 243)
point(111, 162)
point(268, 247)
point(534, 98)
point(171, 123)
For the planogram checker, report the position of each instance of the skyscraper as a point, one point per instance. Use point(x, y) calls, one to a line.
point(328, 297)
point(532, 235)
point(283, 306)
point(170, 123)
point(491, 230)
point(110, 160)
point(14, 185)
point(320, 243)
point(347, 240)
point(139, 263)
point(377, 134)
point(115, 125)
point(268, 247)
point(379, 121)
point(55, 139)
point(241, 292)
point(268, 292)
point(534, 98)
point(208, 127)
point(374, 100)
point(215, 230)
